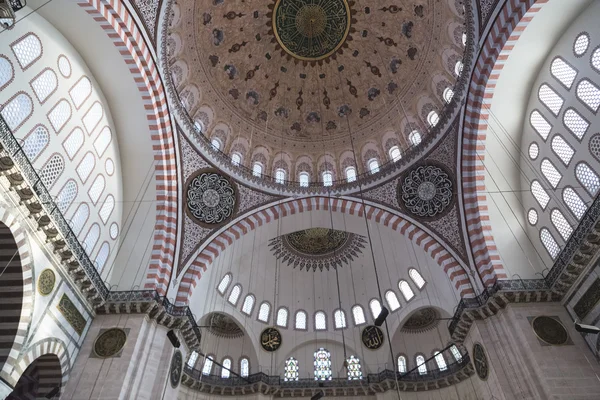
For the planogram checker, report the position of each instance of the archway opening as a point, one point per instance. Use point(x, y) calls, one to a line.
point(41, 380)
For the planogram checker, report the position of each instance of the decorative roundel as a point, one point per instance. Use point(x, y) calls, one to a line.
point(110, 342)
point(46, 282)
point(270, 339)
point(372, 337)
point(550, 330)
point(211, 198)
point(176, 369)
point(481, 362)
point(426, 191)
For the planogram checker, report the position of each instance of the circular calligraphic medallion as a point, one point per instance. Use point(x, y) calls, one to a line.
point(372, 337)
point(426, 191)
point(46, 282)
point(311, 30)
point(480, 361)
point(176, 368)
point(211, 198)
point(110, 342)
point(270, 339)
point(550, 331)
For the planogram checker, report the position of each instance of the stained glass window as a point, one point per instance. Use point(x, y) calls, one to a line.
point(244, 367)
point(358, 314)
point(192, 360)
point(392, 300)
point(322, 365)
point(301, 318)
point(375, 307)
point(225, 369)
point(290, 372)
point(264, 312)
point(282, 317)
point(456, 353)
point(224, 284)
point(416, 278)
point(320, 321)
point(354, 369)
point(234, 296)
point(406, 290)
point(248, 304)
point(440, 361)
point(402, 364)
point(339, 316)
point(208, 363)
point(422, 367)
point(35, 142)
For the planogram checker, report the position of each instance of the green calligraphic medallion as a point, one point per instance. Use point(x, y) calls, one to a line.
point(311, 30)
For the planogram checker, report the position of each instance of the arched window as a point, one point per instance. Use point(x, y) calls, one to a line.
point(327, 178)
point(290, 372)
point(17, 110)
point(86, 165)
point(581, 44)
point(322, 365)
point(66, 195)
point(52, 170)
point(257, 169)
point(199, 126)
point(392, 300)
point(549, 243)
point(91, 239)
point(339, 317)
point(107, 208)
point(456, 353)
point(440, 361)
point(97, 188)
point(248, 304)
point(236, 159)
point(563, 72)
point(532, 217)
point(264, 312)
point(27, 50)
point(73, 142)
point(350, 174)
point(561, 224)
point(224, 284)
point(7, 72)
point(422, 367)
point(551, 173)
point(588, 178)
point(458, 67)
point(575, 123)
point(373, 166)
point(244, 367)
point(92, 118)
point(216, 143)
point(102, 256)
point(574, 202)
point(304, 179)
point(44, 84)
point(280, 176)
point(406, 290)
point(448, 94)
point(375, 307)
point(282, 317)
point(395, 153)
point(35, 142)
point(596, 59)
point(402, 367)
point(540, 194)
point(226, 368)
point(414, 137)
point(80, 91)
point(234, 296)
point(433, 118)
point(79, 218)
point(301, 318)
point(208, 363)
point(550, 99)
point(540, 124)
point(464, 39)
point(358, 314)
point(416, 278)
point(191, 362)
point(589, 94)
point(562, 149)
point(354, 369)
point(320, 321)
point(102, 141)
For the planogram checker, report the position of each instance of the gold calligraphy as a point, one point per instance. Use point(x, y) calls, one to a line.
point(372, 337)
point(270, 339)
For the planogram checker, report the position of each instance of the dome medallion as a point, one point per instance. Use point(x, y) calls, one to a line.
point(311, 30)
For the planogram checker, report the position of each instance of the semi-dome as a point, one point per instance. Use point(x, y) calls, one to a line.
point(294, 89)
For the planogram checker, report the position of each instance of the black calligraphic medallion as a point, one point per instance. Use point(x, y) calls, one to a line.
point(372, 337)
point(176, 368)
point(270, 339)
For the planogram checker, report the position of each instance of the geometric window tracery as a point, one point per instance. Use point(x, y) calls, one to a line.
point(549, 243)
point(320, 321)
point(52, 170)
point(59, 115)
point(402, 367)
point(574, 202)
point(422, 367)
point(64, 66)
point(44, 85)
point(85, 167)
point(97, 188)
point(440, 361)
point(581, 44)
point(235, 294)
point(561, 224)
point(416, 277)
point(532, 217)
point(540, 194)
point(551, 99)
point(322, 365)
point(35, 142)
point(588, 178)
point(73, 142)
point(17, 110)
point(224, 284)
point(291, 370)
point(80, 92)
point(563, 72)
point(339, 317)
point(102, 256)
point(79, 218)
point(107, 208)
point(66, 195)
point(589, 94)
point(354, 369)
point(551, 173)
point(414, 138)
point(102, 141)
point(575, 123)
point(264, 312)
point(540, 124)
point(301, 319)
point(27, 50)
point(562, 149)
point(91, 239)
point(596, 59)
point(358, 314)
point(92, 117)
point(6, 72)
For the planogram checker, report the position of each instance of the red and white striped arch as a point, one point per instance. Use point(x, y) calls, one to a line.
point(504, 33)
point(211, 251)
point(116, 20)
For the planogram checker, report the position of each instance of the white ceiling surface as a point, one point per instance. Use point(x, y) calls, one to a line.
point(504, 155)
point(252, 264)
point(132, 133)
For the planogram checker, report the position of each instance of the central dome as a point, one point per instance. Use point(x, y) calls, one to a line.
point(311, 29)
